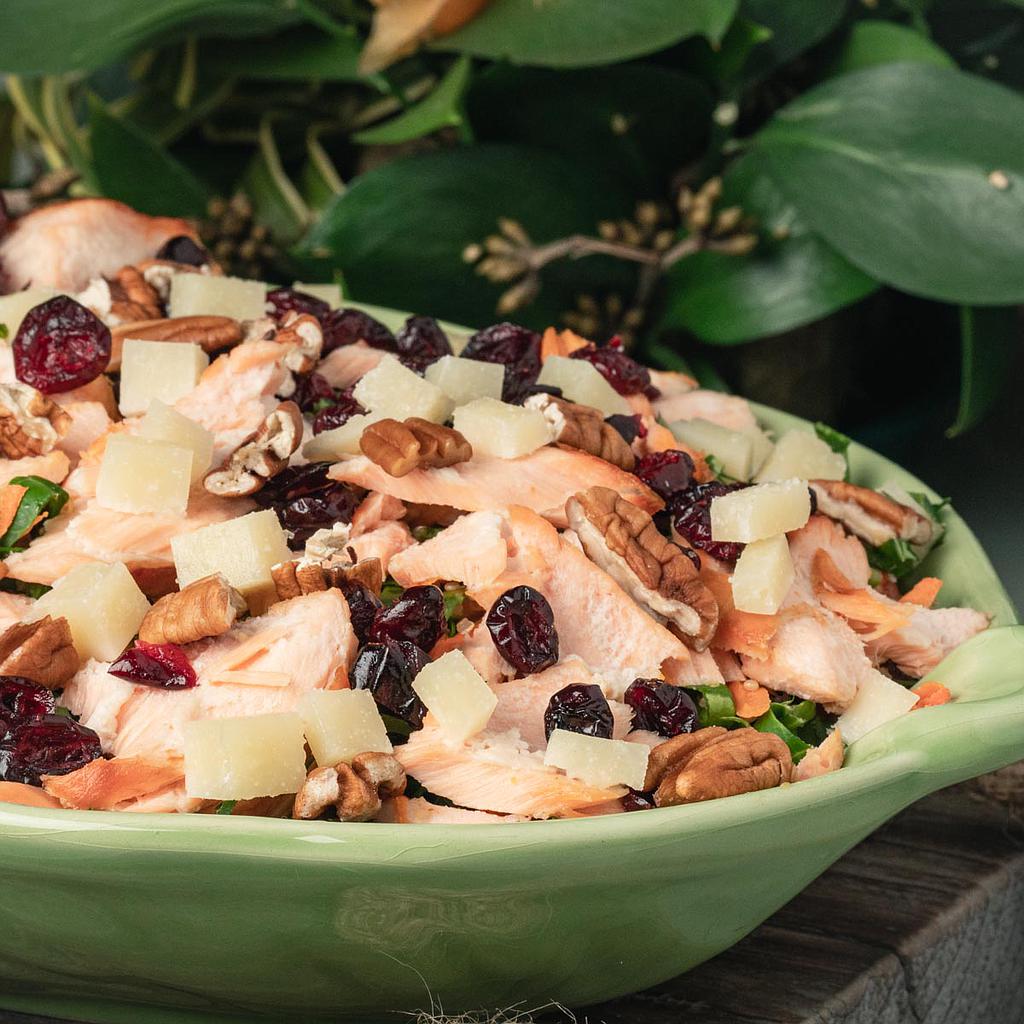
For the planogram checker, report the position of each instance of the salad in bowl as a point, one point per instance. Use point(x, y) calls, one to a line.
point(265, 556)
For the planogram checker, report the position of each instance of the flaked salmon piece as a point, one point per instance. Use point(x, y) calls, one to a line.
point(929, 635)
point(384, 542)
point(344, 366)
point(746, 633)
point(822, 759)
point(89, 422)
point(99, 389)
point(478, 647)
point(542, 481)
point(27, 796)
point(66, 245)
point(847, 553)
point(236, 393)
point(715, 406)
point(699, 668)
point(375, 509)
point(87, 532)
point(104, 785)
point(54, 466)
point(495, 772)
point(474, 548)
point(403, 810)
point(13, 608)
point(869, 613)
point(671, 382)
point(729, 665)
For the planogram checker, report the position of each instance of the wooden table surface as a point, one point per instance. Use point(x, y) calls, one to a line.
point(923, 923)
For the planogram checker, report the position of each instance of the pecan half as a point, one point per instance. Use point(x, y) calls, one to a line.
point(306, 576)
point(207, 607)
point(399, 448)
point(42, 651)
point(30, 424)
point(210, 333)
point(304, 335)
point(713, 763)
point(583, 427)
point(260, 458)
point(659, 575)
point(872, 516)
point(133, 297)
point(353, 791)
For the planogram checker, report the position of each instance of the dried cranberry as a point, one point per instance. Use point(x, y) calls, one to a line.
point(627, 426)
point(347, 326)
point(635, 800)
point(421, 342)
point(387, 670)
point(417, 616)
point(50, 745)
point(288, 300)
point(362, 609)
point(667, 473)
point(60, 345)
point(21, 700)
point(337, 414)
point(312, 393)
point(691, 519)
point(294, 482)
point(516, 348)
point(522, 626)
point(579, 707)
point(182, 249)
point(623, 372)
point(305, 501)
point(165, 666)
point(661, 707)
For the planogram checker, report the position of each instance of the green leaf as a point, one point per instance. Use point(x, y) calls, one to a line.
point(54, 36)
point(868, 161)
point(399, 231)
point(989, 340)
point(391, 591)
point(790, 279)
point(835, 439)
point(319, 181)
point(771, 721)
point(613, 117)
point(895, 556)
point(226, 806)
point(276, 201)
point(794, 26)
point(4, 332)
point(454, 598)
point(440, 108)
point(41, 498)
point(33, 590)
point(128, 165)
point(580, 33)
point(884, 42)
point(715, 706)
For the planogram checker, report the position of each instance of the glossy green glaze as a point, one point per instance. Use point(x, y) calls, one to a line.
point(119, 918)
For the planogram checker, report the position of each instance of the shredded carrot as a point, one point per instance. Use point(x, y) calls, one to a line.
point(930, 695)
point(10, 499)
point(101, 785)
point(27, 796)
point(923, 592)
point(560, 343)
point(250, 677)
point(446, 644)
point(749, 703)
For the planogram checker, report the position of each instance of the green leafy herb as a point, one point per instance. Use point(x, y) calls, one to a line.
point(397, 729)
point(322, 403)
point(715, 706)
point(415, 788)
point(770, 721)
point(454, 598)
point(835, 439)
point(226, 806)
point(41, 498)
point(33, 590)
point(422, 533)
point(933, 509)
point(391, 591)
point(4, 332)
point(895, 556)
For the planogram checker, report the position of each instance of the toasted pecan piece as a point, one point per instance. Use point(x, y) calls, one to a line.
point(353, 791)
point(260, 458)
point(400, 447)
point(132, 297)
point(872, 516)
point(42, 651)
point(623, 540)
point(207, 607)
point(583, 427)
point(210, 333)
point(307, 576)
point(303, 334)
point(30, 423)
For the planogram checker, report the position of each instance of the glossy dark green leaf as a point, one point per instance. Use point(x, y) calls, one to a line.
point(581, 33)
point(715, 706)
point(399, 232)
point(440, 108)
point(617, 117)
point(771, 722)
point(885, 42)
point(989, 339)
point(128, 165)
point(791, 278)
point(914, 173)
point(795, 26)
point(41, 498)
point(296, 55)
point(51, 36)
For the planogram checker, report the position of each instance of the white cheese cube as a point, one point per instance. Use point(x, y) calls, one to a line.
point(582, 382)
point(140, 476)
point(733, 448)
point(243, 549)
point(103, 605)
point(394, 391)
point(879, 700)
point(763, 576)
point(335, 444)
point(456, 695)
point(329, 293)
point(206, 295)
point(162, 423)
point(340, 724)
point(167, 370)
point(597, 761)
point(503, 430)
point(244, 758)
point(763, 447)
point(13, 307)
point(464, 380)
point(761, 511)
point(802, 455)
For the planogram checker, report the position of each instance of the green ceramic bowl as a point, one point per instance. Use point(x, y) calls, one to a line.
point(107, 917)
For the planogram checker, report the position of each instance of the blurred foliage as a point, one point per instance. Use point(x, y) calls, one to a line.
point(684, 172)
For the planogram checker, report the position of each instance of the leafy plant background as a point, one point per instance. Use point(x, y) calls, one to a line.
point(863, 262)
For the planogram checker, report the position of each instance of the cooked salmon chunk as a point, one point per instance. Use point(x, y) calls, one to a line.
point(344, 366)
